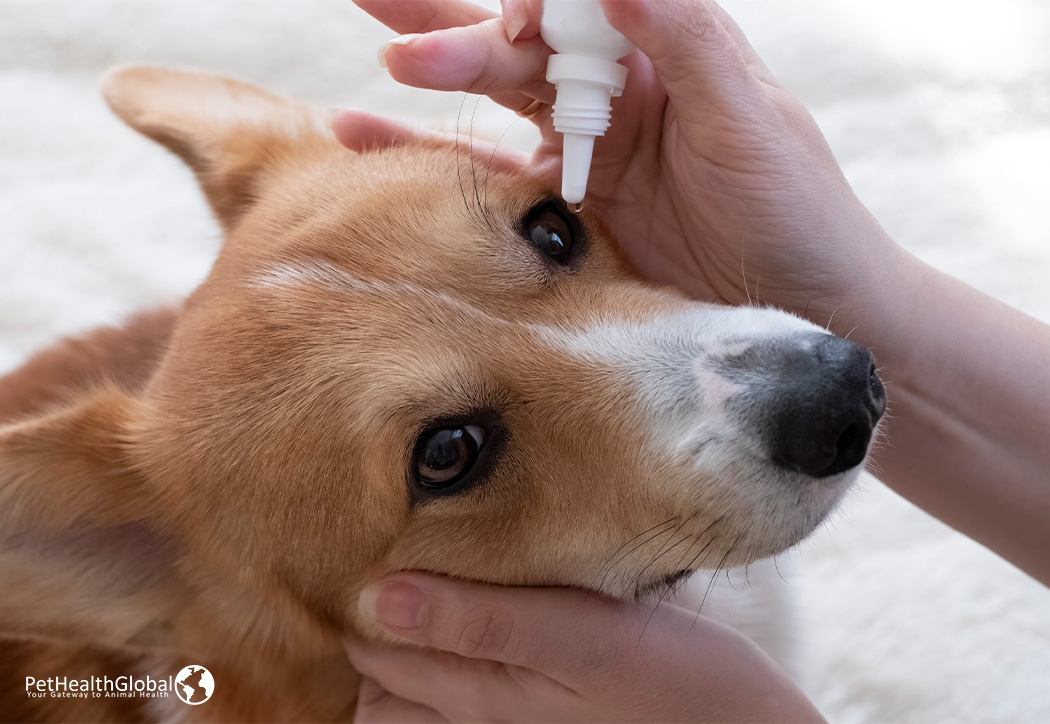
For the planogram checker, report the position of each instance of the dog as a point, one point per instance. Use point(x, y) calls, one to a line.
point(387, 368)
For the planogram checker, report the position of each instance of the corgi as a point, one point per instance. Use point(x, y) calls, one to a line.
point(393, 364)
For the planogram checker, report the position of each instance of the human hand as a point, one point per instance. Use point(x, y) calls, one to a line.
point(712, 177)
point(555, 654)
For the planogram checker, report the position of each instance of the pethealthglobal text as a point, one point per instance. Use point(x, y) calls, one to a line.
point(98, 687)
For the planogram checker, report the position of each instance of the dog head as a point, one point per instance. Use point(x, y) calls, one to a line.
point(406, 359)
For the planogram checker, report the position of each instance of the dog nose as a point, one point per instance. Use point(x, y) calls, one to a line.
point(828, 406)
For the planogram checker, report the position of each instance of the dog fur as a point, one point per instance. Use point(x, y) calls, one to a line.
point(213, 484)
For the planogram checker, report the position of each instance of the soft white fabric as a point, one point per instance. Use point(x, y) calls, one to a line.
point(939, 110)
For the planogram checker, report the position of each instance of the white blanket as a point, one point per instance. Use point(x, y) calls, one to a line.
point(939, 111)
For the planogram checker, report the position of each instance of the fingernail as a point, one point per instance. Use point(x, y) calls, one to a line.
point(394, 605)
point(400, 40)
point(514, 17)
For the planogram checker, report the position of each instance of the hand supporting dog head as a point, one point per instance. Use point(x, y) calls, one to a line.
point(404, 359)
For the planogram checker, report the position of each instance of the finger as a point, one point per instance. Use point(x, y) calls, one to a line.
point(422, 16)
point(376, 705)
point(475, 59)
point(519, 102)
point(522, 18)
point(361, 131)
point(558, 631)
point(458, 688)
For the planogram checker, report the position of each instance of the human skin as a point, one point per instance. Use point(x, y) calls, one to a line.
point(554, 654)
point(717, 180)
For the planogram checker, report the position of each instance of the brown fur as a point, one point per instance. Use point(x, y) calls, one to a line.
point(125, 355)
point(215, 487)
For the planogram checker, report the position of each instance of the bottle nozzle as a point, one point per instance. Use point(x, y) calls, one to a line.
point(582, 109)
point(577, 149)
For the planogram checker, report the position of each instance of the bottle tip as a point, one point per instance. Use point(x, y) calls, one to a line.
point(576, 166)
point(573, 196)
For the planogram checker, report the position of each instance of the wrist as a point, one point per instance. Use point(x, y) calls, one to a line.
point(861, 283)
point(879, 304)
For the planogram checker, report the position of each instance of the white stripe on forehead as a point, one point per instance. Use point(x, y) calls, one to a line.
point(716, 330)
point(317, 272)
point(602, 338)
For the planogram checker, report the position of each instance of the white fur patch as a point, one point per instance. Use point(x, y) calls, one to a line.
point(664, 360)
point(316, 272)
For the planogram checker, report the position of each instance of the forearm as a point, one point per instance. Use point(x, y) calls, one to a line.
point(968, 380)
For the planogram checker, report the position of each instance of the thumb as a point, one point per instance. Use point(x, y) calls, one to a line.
point(551, 630)
point(697, 50)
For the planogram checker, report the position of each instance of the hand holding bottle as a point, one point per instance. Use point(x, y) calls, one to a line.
point(712, 176)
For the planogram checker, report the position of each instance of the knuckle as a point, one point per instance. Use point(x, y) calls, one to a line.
point(690, 42)
point(703, 31)
point(701, 23)
point(484, 632)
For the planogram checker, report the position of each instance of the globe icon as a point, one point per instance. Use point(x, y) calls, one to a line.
point(194, 685)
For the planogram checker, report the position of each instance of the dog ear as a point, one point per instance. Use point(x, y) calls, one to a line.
point(232, 134)
point(83, 557)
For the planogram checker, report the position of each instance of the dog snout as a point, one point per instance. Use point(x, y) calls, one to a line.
point(827, 405)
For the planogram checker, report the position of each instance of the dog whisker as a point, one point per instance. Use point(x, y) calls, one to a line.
point(480, 208)
point(711, 583)
point(658, 556)
point(743, 274)
point(488, 167)
point(633, 586)
point(827, 326)
point(610, 564)
point(674, 583)
point(679, 580)
point(729, 581)
point(777, 569)
point(459, 165)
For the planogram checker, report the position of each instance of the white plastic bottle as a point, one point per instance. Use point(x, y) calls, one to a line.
point(584, 70)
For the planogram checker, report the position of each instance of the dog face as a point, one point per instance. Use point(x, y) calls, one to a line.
point(405, 359)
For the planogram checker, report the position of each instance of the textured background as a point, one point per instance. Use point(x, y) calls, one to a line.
point(939, 111)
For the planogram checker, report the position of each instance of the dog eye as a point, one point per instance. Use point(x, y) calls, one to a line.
point(550, 232)
point(447, 455)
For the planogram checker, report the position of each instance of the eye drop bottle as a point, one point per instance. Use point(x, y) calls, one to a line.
point(586, 75)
